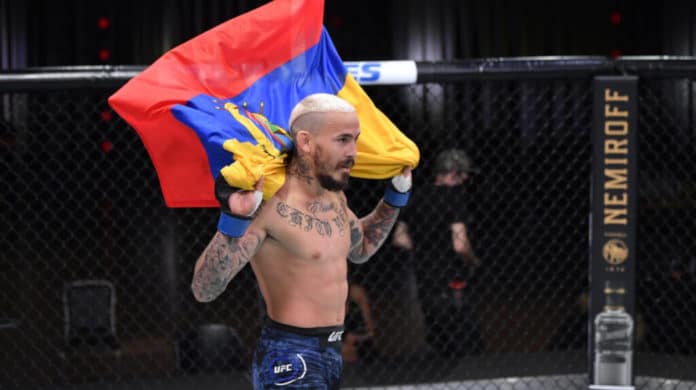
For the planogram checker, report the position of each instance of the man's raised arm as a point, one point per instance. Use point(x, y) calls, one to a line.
point(368, 234)
point(221, 260)
point(233, 245)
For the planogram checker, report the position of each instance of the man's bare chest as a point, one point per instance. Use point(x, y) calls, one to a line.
point(327, 220)
point(310, 227)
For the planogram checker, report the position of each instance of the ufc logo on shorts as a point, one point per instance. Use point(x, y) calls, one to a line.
point(279, 369)
point(335, 336)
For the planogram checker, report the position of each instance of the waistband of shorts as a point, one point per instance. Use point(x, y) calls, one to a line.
point(320, 332)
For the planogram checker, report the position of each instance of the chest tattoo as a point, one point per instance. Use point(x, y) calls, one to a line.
point(315, 207)
point(311, 221)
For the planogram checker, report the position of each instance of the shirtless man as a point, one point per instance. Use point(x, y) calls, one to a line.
point(297, 244)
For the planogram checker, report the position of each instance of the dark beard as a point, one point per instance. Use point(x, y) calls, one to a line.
point(328, 183)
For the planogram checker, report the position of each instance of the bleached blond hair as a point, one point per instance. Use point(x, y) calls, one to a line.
point(319, 103)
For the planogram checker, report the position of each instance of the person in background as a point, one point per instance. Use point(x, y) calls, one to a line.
point(434, 228)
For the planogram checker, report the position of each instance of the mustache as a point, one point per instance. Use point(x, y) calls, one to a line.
point(347, 163)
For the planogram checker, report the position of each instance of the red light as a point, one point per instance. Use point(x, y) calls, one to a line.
point(615, 18)
point(106, 116)
point(106, 146)
point(457, 284)
point(104, 55)
point(616, 53)
point(103, 23)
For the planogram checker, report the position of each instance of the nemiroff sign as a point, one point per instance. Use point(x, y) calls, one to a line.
point(614, 192)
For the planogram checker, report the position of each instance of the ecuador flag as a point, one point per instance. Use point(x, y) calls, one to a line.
point(219, 103)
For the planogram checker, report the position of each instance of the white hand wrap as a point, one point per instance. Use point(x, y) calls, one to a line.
point(402, 183)
point(398, 192)
point(258, 198)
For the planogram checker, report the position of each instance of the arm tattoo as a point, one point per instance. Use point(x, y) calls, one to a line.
point(356, 254)
point(376, 228)
point(220, 262)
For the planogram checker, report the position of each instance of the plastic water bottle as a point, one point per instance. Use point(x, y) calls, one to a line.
point(613, 358)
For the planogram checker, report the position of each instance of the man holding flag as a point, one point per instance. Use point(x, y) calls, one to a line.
point(212, 114)
point(297, 244)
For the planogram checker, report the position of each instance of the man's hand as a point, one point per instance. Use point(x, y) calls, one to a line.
point(403, 182)
point(237, 206)
point(401, 238)
point(398, 193)
point(246, 203)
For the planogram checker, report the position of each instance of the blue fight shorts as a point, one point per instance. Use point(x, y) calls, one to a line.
point(287, 357)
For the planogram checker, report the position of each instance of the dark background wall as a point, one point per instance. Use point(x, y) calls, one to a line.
point(49, 33)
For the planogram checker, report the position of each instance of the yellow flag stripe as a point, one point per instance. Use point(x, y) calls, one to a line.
point(383, 150)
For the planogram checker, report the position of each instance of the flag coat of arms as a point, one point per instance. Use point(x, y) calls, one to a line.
point(220, 102)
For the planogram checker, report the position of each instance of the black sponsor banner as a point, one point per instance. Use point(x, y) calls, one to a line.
point(614, 195)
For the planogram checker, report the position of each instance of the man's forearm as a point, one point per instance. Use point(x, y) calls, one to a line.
point(222, 259)
point(376, 227)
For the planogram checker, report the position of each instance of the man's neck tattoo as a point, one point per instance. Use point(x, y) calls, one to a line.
point(300, 169)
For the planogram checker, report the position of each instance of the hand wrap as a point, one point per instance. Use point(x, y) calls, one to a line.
point(231, 224)
point(399, 191)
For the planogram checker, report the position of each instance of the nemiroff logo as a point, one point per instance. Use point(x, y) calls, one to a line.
point(616, 130)
point(615, 251)
point(615, 183)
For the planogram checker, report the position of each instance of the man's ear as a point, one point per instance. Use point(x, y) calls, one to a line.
point(303, 140)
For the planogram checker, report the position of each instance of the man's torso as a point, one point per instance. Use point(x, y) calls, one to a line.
point(301, 267)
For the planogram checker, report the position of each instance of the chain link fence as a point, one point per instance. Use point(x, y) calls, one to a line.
point(666, 270)
point(95, 269)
